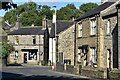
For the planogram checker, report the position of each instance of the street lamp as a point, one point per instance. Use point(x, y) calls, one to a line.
point(54, 21)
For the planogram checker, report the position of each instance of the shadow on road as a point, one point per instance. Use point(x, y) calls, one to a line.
point(13, 65)
point(13, 76)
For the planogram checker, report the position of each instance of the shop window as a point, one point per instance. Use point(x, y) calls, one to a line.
point(32, 56)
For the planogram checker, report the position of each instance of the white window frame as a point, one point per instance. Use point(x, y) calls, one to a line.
point(80, 30)
point(93, 26)
point(93, 55)
point(108, 27)
point(15, 54)
point(79, 55)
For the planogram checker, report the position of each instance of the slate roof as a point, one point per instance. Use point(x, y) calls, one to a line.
point(28, 31)
point(61, 25)
point(6, 25)
point(97, 10)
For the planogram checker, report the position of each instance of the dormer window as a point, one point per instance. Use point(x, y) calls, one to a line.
point(93, 26)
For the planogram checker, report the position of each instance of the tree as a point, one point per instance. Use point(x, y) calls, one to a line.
point(68, 12)
point(87, 7)
point(10, 16)
point(30, 13)
point(5, 49)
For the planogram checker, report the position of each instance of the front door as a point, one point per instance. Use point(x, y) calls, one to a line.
point(25, 57)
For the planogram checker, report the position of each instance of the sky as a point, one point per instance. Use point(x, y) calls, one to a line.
point(58, 3)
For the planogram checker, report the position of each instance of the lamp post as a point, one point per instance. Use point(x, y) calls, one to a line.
point(54, 21)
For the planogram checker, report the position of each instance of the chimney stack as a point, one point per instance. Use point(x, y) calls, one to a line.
point(18, 24)
point(44, 22)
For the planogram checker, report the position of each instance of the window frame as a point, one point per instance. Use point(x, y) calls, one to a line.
point(93, 26)
point(93, 55)
point(79, 55)
point(80, 30)
point(16, 55)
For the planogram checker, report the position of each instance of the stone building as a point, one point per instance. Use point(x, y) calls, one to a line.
point(30, 43)
point(63, 44)
point(92, 43)
point(111, 40)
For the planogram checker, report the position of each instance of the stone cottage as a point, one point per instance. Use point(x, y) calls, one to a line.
point(63, 44)
point(30, 44)
point(92, 43)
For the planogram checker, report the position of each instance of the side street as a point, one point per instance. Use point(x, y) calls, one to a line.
point(87, 47)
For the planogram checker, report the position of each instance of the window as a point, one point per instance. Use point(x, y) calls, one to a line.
point(32, 56)
point(80, 30)
point(108, 26)
point(16, 40)
point(79, 55)
point(16, 55)
point(34, 40)
point(93, 54)
point(93, 26)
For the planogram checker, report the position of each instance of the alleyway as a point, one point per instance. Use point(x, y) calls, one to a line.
point(28, 72)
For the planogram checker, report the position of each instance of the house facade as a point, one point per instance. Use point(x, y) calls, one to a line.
point(28, 44)
point(96, 47)
point(61, 47)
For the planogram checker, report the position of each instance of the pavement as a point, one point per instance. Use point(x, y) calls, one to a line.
point(36, 72)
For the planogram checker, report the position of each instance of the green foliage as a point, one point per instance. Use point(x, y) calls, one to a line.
point(68, 12)
point(5, 49)
point(88, 7)
point(31, 13)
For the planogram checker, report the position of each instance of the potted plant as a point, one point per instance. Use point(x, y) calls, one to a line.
point(5, 49)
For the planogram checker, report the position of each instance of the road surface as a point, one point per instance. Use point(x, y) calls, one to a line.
point(29, 72)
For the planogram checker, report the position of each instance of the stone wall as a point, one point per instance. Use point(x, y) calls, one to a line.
point(115, 75)
point(94, 73)
point(59, 67)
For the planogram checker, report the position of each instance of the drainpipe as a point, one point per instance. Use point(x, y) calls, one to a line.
point(97, 38)
point(75, 44)
point(118, 33)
